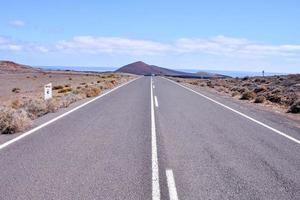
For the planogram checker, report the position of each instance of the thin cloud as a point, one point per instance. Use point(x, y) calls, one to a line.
point(228, 46)
point(17, 23)
point(7, 44)
point(219, 46)
point(112, 45)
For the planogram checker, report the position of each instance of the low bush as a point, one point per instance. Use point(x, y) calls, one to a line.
point(65, 90)
point(68, 99)
point(58, 87)
point(234, 94)
point(260, 89)
point(245, 78)
point(273, 98)
point(260, 99)
point(16, 90)
point(210, 84)
point(295, 107)
point(114, 82)
point(248, 95)
point(194, 83)
point(16, 104)
point(12, 120)
point(92, 91)
point(52, 105)
point(242, 89)
point(35, 108)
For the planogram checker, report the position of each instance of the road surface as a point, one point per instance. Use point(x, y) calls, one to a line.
point(153, 139)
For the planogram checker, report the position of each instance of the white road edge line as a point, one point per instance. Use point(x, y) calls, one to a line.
point(156, 102)
point(242, 114)
point(155, 175)
point(60, 116)
point(171, 185)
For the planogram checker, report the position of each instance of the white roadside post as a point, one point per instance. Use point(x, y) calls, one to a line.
point(48, 91)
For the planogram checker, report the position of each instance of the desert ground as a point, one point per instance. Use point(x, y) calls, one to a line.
point(277, 93)
point(31, 85)
point(21, 94)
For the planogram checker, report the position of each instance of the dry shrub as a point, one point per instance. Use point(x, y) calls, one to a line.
point(220, 89)
point(242, 89)
point(16, 104)
point(12, 120)
point(260, 89)
point(58, 87)
point(248, 95)
point(295, 107)
point(209, 84)
point(234, 94)
point(65, 90)
point(114, 82)
point(193, 83)
point(35, 108)
point(16, 90)
point(69, 99)
point(108, 85)
point(52, 105)
point(273, 98)
point(260, 99)
point(92, 91)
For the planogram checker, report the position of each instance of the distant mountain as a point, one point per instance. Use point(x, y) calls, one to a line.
point(141, 68)
point(9, 67)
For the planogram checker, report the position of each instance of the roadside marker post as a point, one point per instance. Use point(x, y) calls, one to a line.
point(48, 91)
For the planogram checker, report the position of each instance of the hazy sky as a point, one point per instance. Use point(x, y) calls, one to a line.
point(217, 35)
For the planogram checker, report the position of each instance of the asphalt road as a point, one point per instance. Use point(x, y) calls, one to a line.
point(154, 141)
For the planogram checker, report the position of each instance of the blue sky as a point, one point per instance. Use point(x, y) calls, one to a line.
point(216, 35)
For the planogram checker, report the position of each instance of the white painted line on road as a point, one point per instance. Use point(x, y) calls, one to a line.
point(242, 114)
point(171, 185)
point(156, 102)
point(59, 117)
point(155, 175)
point(153, 86)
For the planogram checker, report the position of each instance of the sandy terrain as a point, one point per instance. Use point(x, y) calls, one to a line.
point(280, 94)
point(22, 93)
point(31, 85)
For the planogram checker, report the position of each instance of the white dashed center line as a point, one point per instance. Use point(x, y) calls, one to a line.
point(156, 102)
point(171, 185)
point(155, 175)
